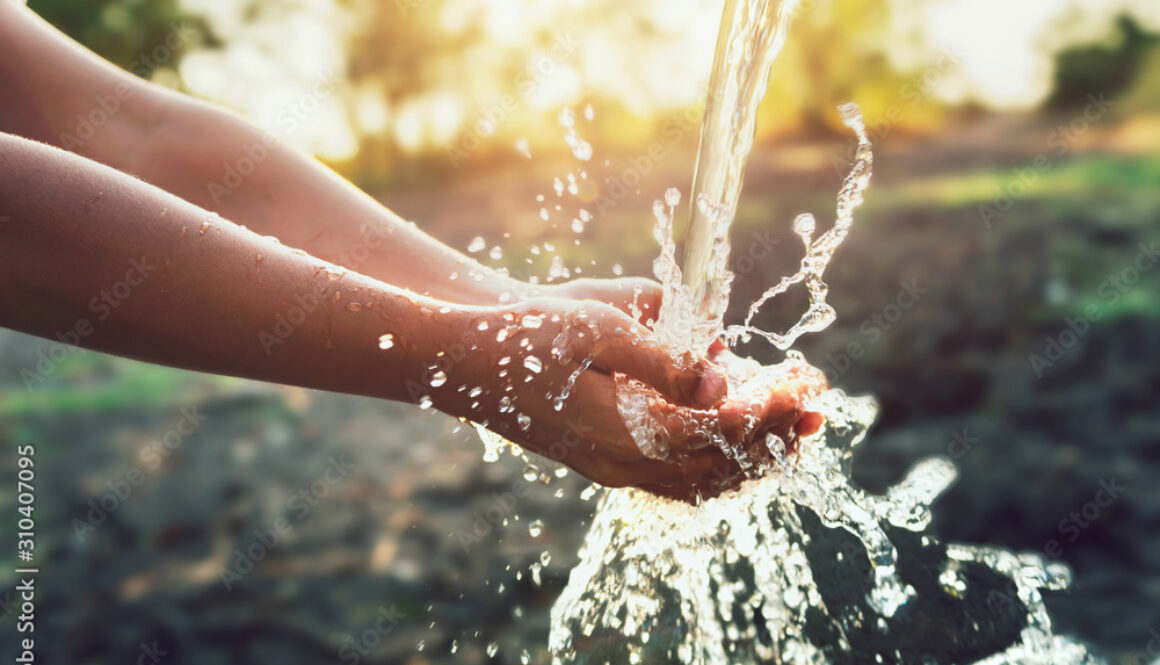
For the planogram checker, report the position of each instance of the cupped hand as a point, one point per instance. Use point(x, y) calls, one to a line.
point(767, 400)
point(542, 375)
point(588, 432)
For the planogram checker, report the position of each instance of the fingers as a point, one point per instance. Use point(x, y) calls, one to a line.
point(686, 429)
point(632, 351)
point(742, 420)
point(700, 476)
point(635, 296)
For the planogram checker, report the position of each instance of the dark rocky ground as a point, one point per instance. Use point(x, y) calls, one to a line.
point(378, 561)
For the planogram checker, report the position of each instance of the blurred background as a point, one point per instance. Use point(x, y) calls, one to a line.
point(999, 294)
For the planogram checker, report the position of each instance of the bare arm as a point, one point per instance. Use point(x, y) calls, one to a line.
point(140, 273)
point(183, 146)
point(130, 269)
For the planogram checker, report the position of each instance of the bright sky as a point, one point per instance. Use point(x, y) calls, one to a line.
point(1004, 48)
point(648, 54)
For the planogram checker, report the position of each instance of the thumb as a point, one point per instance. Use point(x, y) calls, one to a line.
point(633, 351)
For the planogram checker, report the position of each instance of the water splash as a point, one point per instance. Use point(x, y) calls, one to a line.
point(820, 314)
point(799, 565)
point(751, 35)
point(765, 574)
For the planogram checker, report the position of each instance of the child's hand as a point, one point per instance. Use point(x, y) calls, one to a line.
point(526, 355)
point(631, 295)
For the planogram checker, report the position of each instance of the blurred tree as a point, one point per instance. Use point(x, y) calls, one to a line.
point(125, 32)
point(1109, 67)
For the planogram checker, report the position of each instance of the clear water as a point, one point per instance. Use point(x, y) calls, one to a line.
point(799, 565)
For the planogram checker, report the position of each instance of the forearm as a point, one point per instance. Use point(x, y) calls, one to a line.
point(129, 269)
point(187, 147)
point(205, 155)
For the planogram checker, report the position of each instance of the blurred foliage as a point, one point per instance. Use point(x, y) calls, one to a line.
point(1112, 67)
point(121, 31)
point(435, 66)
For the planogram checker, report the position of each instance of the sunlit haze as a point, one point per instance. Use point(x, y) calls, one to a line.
point(494, 71)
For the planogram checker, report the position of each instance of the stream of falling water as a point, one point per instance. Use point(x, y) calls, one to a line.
point(799, 565)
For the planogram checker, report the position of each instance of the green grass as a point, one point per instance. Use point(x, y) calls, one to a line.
point(92, 382)
point(1070, 179)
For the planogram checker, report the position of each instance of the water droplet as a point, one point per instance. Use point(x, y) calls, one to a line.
point(353, 307)
point(534, 364)
point(803, 225)
point(386, 341)
point(581, 149)
point(524, 421)
point(523, 149)
point(531, 321)
point(577, 226)
point(492, 649)
point(545, 558)
point(589, 112)
point(536, 527)
point(438, 378)
point(567, 117)
point(454, 646)
point(425, 402)
point(672, 197)
point(496, 252)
